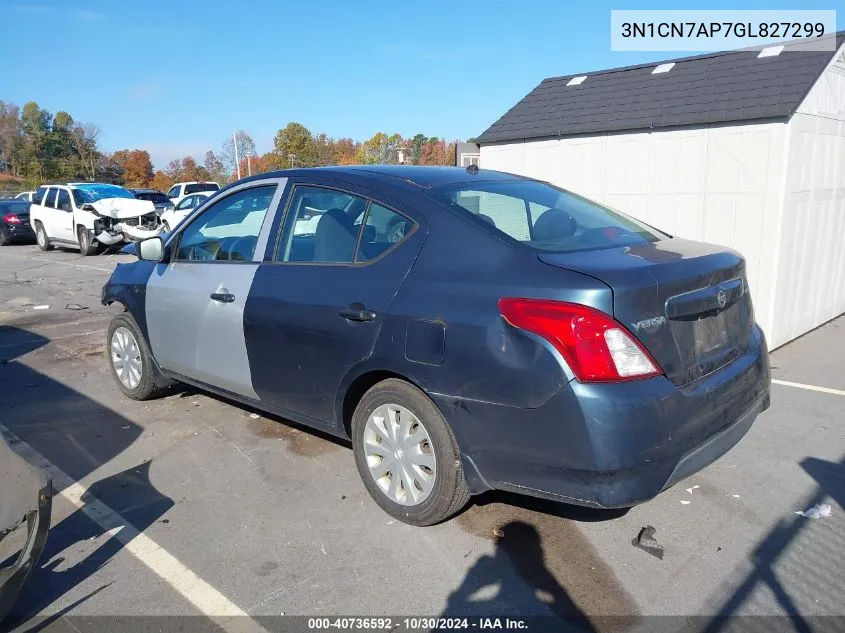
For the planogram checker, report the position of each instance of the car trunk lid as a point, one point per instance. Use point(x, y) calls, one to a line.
point(686, 302)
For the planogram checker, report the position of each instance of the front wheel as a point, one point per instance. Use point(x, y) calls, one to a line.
point(130, 360)
point(87, 246)
point(407, 455)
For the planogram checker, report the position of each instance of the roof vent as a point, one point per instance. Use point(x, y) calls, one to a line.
point(663, 68)
point(576, 81)
point(771, 51)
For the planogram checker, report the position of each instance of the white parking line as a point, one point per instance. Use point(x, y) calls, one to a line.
point(210, 602)
point(58, 263)
point(800, 385)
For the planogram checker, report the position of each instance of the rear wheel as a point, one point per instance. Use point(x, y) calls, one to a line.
point(407, 455)
point(41, 237)
point(130, 359)
point(87, 246)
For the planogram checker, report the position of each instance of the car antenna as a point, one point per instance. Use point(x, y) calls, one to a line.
point(472, 169)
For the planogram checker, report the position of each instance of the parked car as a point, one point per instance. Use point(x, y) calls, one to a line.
point(182, 189)
point(171, 218)
point(162, 202)
point(28, 196)
point(89, 215)
point(14, 222)
point(517, 336)
point(26, 500)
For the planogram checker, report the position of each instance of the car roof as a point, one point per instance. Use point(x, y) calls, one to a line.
point(424, 177)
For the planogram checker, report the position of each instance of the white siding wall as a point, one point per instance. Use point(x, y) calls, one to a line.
point(715, 184)
point(811, 266)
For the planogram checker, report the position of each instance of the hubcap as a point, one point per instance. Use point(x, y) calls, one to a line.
point(399, 454)
point(126, 357)
point(42, 240)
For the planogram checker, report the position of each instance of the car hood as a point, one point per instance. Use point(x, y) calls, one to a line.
point(119, 208)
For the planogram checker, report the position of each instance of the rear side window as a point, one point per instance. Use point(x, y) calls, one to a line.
point(51, 198)
point(201, 186)
point(383, 229)
point(39, 195)
point(174, 192)
point(544, 217)
point(321, 226)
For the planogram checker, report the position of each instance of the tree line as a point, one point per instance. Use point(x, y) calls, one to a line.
point(38, 147)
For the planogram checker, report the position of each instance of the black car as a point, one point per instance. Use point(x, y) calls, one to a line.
point(14, 222)
point(162, 202)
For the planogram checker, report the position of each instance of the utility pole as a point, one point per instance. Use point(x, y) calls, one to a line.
point(248, 165)
point(237, 160)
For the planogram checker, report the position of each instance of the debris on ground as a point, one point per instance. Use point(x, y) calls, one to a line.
point(817, 511)
point(254, 416)
point(685, 502)
point(41, 307)
point(645, 541)
point(735, 496)
point(498, 533)
point(689, 490)
point(75, 306)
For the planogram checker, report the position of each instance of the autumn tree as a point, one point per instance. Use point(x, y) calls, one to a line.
point(161, 181)
point(345, 150)
point(136, 165)
point(381, 149)
point(215, 168)
point(295, 144)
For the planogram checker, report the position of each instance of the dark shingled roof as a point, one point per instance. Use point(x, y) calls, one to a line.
point(711, 88)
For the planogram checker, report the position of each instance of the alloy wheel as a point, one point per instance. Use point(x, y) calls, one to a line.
point(126, 357)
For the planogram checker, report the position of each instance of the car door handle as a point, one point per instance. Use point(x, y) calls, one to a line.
point(357, 312)
point(223, 297)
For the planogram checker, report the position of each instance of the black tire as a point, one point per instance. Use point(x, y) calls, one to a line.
point(450, 492)
point(41, 237)
point(5, 240)
point(87, 245)
point(146, 388)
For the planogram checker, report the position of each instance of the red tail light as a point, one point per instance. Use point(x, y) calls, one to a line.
point(12, 219)
point(597, 348)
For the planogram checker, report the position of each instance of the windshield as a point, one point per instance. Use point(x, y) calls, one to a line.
point(83, 194)
point(201, 186)
point(544, 217)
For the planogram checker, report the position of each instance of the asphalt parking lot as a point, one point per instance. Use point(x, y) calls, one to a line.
point(193, 506)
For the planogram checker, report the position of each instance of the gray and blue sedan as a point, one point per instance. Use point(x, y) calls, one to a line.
point(467, 330)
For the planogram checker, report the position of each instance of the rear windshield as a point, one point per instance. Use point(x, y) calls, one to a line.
point(544, 217)
point(155, 197)
point(201, 186)
point(91, 193)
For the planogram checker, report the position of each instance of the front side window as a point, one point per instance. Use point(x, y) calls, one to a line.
point(174, 192)
point(321, 226)
point(544, 217)
point(39, 195)
point(63, 202)
point(187, 203)
point(227, 230)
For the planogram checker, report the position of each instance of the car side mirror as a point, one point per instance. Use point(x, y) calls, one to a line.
point(151, 249)
point(87, 207)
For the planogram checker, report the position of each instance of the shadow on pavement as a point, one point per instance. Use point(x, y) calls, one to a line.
point(807, 552)
point(77, 435)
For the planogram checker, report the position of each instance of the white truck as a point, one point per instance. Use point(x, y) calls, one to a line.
point(181, 189)
point(90, 215)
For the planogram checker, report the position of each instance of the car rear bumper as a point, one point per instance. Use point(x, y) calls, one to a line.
point(18, 232)
point(612, 445)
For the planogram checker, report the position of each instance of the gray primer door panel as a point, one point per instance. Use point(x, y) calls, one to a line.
point(194, 335)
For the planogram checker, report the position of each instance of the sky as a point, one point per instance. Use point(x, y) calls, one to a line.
point(176, 78)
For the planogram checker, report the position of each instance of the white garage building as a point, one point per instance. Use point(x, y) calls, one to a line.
point(742, 148)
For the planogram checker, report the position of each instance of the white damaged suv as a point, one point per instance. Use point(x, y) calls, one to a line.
point(88, 215)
